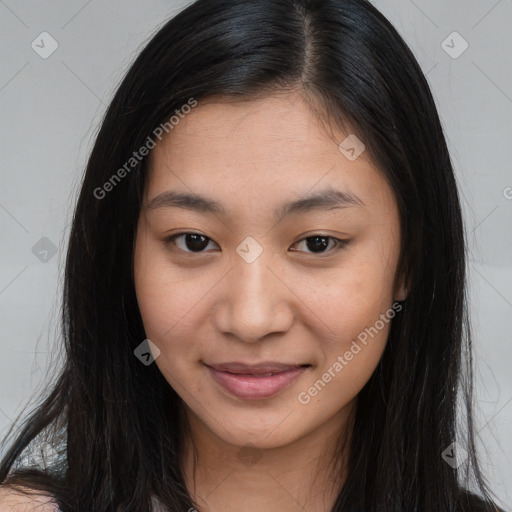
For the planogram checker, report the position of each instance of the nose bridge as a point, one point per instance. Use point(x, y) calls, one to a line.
point(254, 303)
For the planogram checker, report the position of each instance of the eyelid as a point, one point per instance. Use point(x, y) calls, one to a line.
point(339, 243)
point(171, 238)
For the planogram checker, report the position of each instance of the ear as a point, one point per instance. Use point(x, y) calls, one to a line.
point(401, 288)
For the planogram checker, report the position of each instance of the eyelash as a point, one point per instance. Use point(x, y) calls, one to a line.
point(339, 243)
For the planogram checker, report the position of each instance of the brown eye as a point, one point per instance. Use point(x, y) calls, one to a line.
point(197, 243)
point(190, 242)
point(318, 244)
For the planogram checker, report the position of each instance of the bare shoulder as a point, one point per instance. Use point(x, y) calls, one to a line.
point(12, 500)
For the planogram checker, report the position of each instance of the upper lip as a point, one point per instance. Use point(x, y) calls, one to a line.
point(255, 369)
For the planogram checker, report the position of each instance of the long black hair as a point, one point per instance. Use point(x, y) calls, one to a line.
point(115, 423)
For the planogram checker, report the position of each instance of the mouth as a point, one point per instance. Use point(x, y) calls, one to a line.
point(255, 381)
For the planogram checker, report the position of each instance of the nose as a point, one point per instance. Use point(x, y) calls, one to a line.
point(254, 301)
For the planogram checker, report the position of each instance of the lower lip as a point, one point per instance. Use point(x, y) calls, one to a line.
point(252, 387)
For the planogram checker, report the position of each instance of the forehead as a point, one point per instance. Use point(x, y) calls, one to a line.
point(258, 150)
point(247, 128)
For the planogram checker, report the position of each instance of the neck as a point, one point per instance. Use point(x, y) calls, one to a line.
point(305, 474)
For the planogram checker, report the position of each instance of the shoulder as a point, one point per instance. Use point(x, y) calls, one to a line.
point(12, 500)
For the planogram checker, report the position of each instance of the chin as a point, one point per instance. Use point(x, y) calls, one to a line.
point(265, 437)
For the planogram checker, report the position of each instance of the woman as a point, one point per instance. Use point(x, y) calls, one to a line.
point(264, 304)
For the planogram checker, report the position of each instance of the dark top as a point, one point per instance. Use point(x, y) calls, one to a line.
point(473, 503)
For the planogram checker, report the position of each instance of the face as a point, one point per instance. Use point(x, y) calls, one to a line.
point(259, 287)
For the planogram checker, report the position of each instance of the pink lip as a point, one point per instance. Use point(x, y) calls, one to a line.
point(254, 381)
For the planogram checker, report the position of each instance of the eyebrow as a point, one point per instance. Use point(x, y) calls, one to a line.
point(327, 199)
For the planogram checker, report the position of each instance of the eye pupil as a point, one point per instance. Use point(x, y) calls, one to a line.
point(196, 242)
point(321, 242)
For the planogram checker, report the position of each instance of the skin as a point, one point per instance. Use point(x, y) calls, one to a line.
point(290, 305)
point(14, 500)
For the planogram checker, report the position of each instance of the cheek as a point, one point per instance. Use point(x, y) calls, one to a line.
point(357, 308)
point(166, 324)
point(349, 360)
point(162, 299)
point(351, 297)
point(164, 292)
point(173, 308)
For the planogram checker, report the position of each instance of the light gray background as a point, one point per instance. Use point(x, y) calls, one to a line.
point(51, 108)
